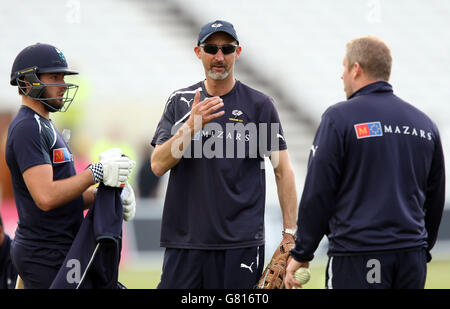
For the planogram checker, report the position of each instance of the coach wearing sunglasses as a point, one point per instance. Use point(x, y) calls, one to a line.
point(213, 137)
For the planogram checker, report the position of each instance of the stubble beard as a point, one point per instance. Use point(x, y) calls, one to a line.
point(217, 75)
point(55, 102)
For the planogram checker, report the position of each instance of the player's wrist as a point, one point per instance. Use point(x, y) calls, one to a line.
point(187, 130)
point(97, 172)
point(292, 232)
point(190, 123)
point(195, 123)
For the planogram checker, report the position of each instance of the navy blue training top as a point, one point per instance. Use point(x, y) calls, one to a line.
point(216, 193)
point(375, 177)
point(33, 140)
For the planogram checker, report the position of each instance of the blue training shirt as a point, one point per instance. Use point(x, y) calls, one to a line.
point(375, 177)
point(215, 197)
point(33, 140)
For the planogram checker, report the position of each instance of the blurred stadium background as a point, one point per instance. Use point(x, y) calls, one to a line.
point(133, 53)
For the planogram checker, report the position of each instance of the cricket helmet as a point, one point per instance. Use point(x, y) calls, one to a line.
point(39, 59)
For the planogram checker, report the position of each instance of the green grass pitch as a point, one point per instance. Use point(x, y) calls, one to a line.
point(143, 277)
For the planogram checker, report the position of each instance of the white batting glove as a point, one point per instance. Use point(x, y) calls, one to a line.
point(128, 202)
point(117, 171)
point(113, 169)
point(112, 153)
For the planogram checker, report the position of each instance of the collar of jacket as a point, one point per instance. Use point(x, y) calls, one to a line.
point(376, 87)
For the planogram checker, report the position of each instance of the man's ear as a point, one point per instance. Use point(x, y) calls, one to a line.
point(24, 84)
point(238, 51)
point(197, 51)
point(357, 70)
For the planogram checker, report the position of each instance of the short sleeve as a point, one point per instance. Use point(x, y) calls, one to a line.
point(270, 125)
point(30, 147)
point(164, 129)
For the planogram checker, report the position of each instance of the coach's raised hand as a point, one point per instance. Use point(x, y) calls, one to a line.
point(168, 154)
point(204, 112)
point(113, 169)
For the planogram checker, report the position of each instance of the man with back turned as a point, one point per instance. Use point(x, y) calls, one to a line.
point(375, 182)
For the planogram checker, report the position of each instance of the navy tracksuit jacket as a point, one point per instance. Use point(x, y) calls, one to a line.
point(375, 179)
point(103, 226)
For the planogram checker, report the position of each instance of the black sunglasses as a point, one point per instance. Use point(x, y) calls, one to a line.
point(213, 48)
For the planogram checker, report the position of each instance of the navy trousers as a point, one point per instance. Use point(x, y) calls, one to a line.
point(212, 269)
point(403, 269)
point(36, 266)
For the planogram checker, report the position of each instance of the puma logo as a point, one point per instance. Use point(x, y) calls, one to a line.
point(187, 102)
point(248, 267)
point(314, 149)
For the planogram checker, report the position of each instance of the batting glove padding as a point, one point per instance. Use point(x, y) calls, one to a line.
point(116, 171)
point(129, 202)
point(113, 169)
point(112, 153)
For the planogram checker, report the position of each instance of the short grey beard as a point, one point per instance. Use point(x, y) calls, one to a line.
point(218, 76)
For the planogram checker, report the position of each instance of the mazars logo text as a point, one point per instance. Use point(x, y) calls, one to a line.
point(236, 140)
point(408, 130)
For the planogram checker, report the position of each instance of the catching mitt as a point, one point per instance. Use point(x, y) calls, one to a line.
point(273, 275)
